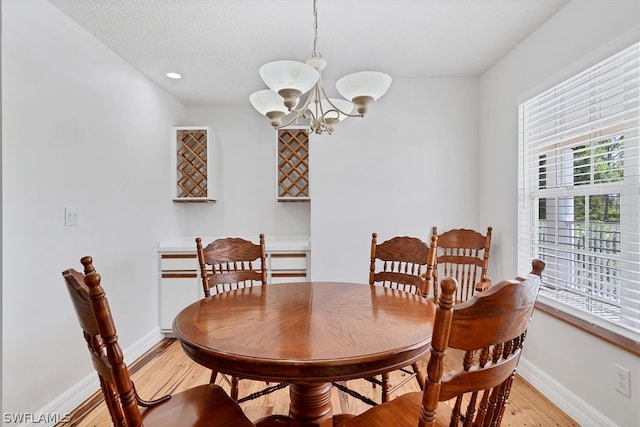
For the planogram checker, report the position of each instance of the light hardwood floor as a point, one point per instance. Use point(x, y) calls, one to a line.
point(165, 369)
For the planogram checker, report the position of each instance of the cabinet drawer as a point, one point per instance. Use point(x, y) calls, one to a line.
point(287, 277)
point(288, 261)
point(179, 262)
point(178, 274)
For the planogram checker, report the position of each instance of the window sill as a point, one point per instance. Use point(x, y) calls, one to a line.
point(610, 337)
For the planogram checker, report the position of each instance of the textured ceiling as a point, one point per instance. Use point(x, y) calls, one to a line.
point(219, 45)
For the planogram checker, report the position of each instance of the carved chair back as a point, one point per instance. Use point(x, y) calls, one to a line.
point(403, 263)
point(231, 263)
point(462, 254)
point(99, 331)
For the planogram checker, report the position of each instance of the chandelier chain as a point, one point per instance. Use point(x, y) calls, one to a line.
point(314, 54)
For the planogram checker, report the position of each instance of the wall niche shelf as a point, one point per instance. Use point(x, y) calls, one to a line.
point(193, 168)
point(293, 165)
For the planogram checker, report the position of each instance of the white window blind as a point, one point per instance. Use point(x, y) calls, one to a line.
point(579, 192)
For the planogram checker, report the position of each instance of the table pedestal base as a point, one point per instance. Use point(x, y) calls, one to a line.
point(310, 405)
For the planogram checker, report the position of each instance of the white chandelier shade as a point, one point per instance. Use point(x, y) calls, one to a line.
point(289, 80)
point(363, 87)
point(270, 104)
point(266, 100)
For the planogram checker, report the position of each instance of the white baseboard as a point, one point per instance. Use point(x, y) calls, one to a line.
point(581, 412)
point(143, 345)
point(81, 391)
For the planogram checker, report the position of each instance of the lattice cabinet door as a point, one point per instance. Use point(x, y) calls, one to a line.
point(293, 165)
point(193, 164)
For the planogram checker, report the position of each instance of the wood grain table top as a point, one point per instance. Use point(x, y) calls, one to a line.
point(307, 331)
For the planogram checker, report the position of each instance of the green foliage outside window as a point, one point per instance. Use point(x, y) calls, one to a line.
point(601, 163)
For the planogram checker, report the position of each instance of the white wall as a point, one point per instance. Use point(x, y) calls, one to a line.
point(81, 128)
point(581, 34)
point(408, 165)
point(247, 204)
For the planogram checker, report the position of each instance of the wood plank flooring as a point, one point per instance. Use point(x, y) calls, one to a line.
point(165, 369)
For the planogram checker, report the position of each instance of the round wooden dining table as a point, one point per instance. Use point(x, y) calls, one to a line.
point(307, 334)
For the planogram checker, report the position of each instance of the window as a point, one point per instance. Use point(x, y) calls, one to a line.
point(579, 193)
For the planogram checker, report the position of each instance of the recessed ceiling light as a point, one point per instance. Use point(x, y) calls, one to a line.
point(174, 76)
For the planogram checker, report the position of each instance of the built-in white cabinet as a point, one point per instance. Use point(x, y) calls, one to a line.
point(288, 260)
point(179, 284)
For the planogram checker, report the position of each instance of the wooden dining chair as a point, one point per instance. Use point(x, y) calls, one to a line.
point(489, 329)
point(403, 263)
point(203, 405)
point(464, 255)
point(231, 263)
point(228, 264)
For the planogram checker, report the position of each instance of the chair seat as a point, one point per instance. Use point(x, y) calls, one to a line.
point(402, 411)
point(206, 405)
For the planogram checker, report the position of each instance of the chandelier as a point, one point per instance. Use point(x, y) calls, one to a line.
point(289, 80)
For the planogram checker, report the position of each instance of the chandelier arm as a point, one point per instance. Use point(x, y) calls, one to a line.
point(293, 119)
point(300, 112)
point(324, 95)
point(304, 105)
point(317, 122)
